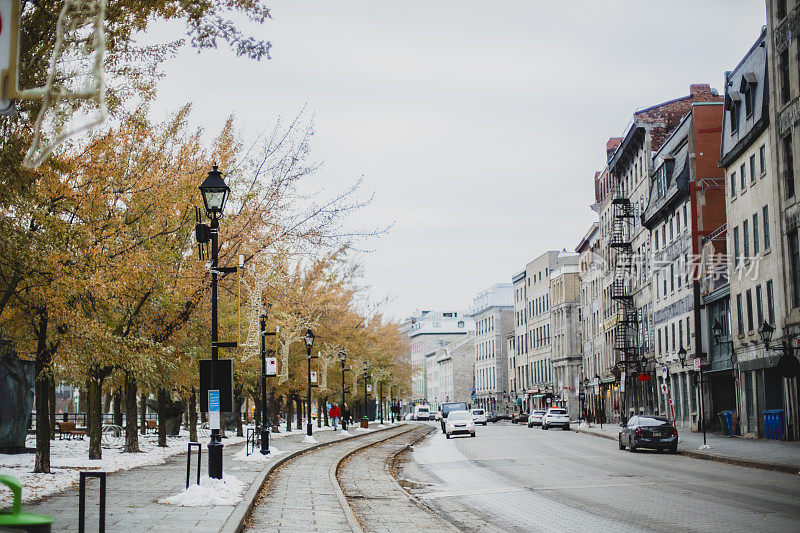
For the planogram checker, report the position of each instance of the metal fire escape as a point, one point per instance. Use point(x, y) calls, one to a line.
point(627, 326)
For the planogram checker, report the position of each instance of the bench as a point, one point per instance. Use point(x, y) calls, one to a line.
point(69, 429)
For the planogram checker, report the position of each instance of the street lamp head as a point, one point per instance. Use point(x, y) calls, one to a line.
point(765, 332)
point(215, 193)
point(717, 330)
point(309, 338)
point(342, 356)
point(682, 356)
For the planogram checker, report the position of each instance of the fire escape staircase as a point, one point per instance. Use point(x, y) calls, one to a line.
point(627, 326)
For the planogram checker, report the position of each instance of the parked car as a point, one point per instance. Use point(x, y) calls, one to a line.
point(450, 406)
point(459, 422)
point(535, 418)
point(479, 416)
point(645, 431)
point(492, 417)
point(555, 417)
point(519, 418)
point(422, 412)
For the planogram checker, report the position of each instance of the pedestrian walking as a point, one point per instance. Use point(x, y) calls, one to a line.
point(334, 415)
point(346, 414)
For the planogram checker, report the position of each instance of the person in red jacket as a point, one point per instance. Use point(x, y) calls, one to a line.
point(334, 415)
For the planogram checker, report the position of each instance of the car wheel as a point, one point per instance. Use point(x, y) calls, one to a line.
point(544, 426)
point(530, 425)
point(673, 450)
point(621, 446)
point(566, 428)
point(632, 448)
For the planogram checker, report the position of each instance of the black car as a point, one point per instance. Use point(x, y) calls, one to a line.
point(519, 418)
point(644, 431)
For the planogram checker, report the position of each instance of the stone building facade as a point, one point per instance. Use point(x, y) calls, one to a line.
point(493, 313)
point(565, 286)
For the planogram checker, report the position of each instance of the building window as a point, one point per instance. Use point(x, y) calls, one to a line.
point(755, 234)
point(735, 247)
point(673, 336)
point(659, 342)
point(794, 258)
point(734, 114)
point(739, 314)
point(749, 310)
point(672, 277)
point(746, 240)
point(680, 333)
point(678, 222)
point(765, 223)
point(783, 74)
point(656, 239)
point(788, 165)
point(685, 224)
point(762, 159)
point(770, 304)
point(733, 184)
point(780, 8)
point(752, 168)
point(671, 229)
point(688, 334)
point(743, 177)
point(748, 98)
point(759, 306)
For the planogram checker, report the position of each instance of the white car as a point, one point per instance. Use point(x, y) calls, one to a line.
point(555, 417)
point(535, 418)
point(422, 412)
point(408, 416)
point(459, 422)
point(479, 416)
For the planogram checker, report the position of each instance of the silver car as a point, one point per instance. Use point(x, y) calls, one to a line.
point(535, 418)
point(556, 417)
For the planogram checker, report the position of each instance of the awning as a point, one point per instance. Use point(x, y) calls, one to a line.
point(605, 381)
point(538, 396)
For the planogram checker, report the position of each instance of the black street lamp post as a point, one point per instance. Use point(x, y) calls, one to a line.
point(342, 359)
point(365, 417)
point(264, 408)
point(215, 193)
point(309, 338)
point(380, 398)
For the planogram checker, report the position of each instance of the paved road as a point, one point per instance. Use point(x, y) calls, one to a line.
point(300, 496)
point(512, 478)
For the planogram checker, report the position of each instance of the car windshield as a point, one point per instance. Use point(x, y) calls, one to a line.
point(421, 409)
point(558, 411)
point(459, 415)
point(538, 412)
point(446, 408)
point(477, 411)
point(652, 421)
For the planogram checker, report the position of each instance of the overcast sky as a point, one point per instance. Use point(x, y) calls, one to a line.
point(478, 125)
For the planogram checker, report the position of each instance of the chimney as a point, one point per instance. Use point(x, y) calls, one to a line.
point(699, 89)
point(611, 145)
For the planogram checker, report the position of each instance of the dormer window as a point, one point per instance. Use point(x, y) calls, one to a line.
point(748, 89)
point(732, 104)
point(661, 181)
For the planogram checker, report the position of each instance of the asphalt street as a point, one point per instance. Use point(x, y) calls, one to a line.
point(513, 478)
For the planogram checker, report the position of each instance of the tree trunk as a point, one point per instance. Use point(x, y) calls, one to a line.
point(117, 407)
point(299, 403)
point(288, 410)
point(131, 435)
point(320, 409)
point(257, 410)
point(162, 418)
point(324, 408)
point(143, 414)
point(238, 400)
point(94, 424)
point(42, 367)
point(273, 410)
point(192, 412)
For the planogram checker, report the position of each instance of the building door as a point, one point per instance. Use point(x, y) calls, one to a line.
point(749, 402)
point(723, 396)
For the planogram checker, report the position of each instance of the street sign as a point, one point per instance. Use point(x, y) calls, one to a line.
point(664, 372)
point(622, 382)
point(664, 388)
point(581, 396)
point(313, 377)
point(213, 409)
point(369, 387)
point(272, 366)
point(697, 365)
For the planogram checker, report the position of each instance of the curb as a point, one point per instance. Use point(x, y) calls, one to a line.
point(748, 463)
point(235, 521)
point(334, 470)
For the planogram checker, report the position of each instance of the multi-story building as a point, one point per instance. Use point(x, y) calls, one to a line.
point(518, 372)
point(629, 251)
point(686, 203)
point(493, 313)
point(783, 75)
point(455, 362)
point(428, 331)
point(757, 288)
point(565, 287)
point(538, 364)
point(591, 332)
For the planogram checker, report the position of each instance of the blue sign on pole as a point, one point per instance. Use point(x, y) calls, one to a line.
point(213, 409)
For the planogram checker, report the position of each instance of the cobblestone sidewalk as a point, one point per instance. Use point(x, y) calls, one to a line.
point(780, 455)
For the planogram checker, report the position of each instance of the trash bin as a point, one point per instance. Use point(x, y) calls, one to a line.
point(773, 424)
point(729, 421)
point(15, 519)
point(722, 421)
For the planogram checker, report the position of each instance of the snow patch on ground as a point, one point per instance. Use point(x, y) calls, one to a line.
point(344, 433)
point(380, 426)
point(69, 457)
point(225, 491)
point(255, 456)
point(308, 439)
point(363, 429)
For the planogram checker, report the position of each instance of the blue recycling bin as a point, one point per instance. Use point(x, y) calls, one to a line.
point(728, 416)
point(773, 424)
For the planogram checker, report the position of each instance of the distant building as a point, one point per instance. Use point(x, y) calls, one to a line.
point(428, 331)
point(493, 312)
point(455, 362)
point(518, 372)
point(565, 284)
point(592, 269)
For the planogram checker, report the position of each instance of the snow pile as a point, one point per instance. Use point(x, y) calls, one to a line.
point(255, 455)
point(225, 491)
point(69, 457)
point(359, 428)
point(344, 433)
point(380, 426)
point(308, 439)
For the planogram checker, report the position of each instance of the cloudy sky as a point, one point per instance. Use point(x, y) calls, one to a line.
point(478, 125)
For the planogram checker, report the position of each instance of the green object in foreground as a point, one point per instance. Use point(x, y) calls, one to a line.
point(15, 518)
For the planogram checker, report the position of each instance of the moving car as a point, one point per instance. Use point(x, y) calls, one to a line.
point(649, 432)
point(535, 418)
point(555, 417)
point(451, 406)
point(422, 412)
point(519, 418)
point(479, 416)
point(459, 422)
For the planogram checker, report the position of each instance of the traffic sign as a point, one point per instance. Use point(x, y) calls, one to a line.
point(313, 377)
point(664, 388)
point(272, 366)
point(369, 387)
point(213, 409)
point(697, 364)
point(664, 372)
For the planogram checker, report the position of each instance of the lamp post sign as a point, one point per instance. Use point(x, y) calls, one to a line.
point(697, 365)
point(213, 409)
point(272, 366)
point(313, 376)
